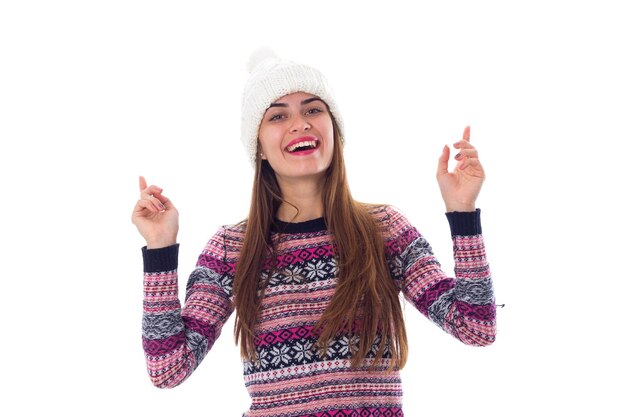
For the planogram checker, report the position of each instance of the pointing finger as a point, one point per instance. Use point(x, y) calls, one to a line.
point(142, 184)
point(442, 167)
point(466, 133)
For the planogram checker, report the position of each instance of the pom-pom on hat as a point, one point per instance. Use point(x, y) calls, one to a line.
point(270, 79)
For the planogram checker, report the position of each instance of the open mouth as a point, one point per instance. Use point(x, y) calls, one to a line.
point(306, 145)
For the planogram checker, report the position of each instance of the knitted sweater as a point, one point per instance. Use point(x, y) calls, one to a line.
point(290, 378)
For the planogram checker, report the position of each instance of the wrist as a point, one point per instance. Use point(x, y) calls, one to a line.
point(460, 208)
point(158, 244)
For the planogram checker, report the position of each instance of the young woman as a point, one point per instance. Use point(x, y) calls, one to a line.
point(314, 276)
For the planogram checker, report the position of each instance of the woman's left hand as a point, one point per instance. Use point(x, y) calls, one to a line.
point(460, 188)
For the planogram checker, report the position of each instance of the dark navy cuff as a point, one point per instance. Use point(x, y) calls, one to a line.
point(161, 259)
point(464, 223)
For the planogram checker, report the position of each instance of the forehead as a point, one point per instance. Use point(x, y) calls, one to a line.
point(294, 97)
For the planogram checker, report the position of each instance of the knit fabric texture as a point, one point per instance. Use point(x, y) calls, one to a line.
point(270, 79)
point(290, 378)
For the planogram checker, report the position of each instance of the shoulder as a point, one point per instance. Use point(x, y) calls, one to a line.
point(221, 254)
point(235, 231)
point(228, 239)
point(397, 231)
point(390, 219)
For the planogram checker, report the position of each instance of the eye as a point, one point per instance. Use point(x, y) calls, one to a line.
point(313, 110)
point(277, 116)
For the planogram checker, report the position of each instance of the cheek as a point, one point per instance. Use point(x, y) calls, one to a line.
point(265, 138)
point(331, 148)
point(330, 133)
point(262, 133)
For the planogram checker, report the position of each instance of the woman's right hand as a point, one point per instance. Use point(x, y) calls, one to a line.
point(155, 216)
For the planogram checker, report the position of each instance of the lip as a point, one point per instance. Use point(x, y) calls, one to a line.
point(301, 139)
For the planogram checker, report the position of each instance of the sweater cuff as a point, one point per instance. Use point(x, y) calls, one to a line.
point(464, 223)
point(161, 259)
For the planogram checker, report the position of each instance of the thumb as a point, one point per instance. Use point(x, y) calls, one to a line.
point(442, 167)
point(142, 184)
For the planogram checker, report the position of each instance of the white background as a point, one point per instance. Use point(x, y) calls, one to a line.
point(94, 94)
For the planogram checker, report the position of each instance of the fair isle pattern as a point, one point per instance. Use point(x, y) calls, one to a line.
point(290, 377)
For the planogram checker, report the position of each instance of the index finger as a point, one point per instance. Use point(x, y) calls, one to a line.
point(466, 133)
point(142, 183)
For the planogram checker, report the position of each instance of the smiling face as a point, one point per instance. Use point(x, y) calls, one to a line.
point(296, 137)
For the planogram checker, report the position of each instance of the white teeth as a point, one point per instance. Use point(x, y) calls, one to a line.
point(301, 145)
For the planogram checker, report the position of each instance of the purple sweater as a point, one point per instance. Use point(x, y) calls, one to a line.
point(291, 378)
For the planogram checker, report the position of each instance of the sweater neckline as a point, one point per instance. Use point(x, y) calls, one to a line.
point(314, 225)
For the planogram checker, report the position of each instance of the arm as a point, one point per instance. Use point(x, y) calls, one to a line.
point(463, 306)
point(176, 340)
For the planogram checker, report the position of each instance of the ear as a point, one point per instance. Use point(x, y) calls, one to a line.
point(260, 151)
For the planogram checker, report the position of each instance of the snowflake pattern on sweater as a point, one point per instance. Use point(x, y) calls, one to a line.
point(290, 377)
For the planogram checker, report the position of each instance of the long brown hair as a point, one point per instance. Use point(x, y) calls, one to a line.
point(366, 300)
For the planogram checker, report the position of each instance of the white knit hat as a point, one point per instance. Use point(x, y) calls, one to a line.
point(270, 79)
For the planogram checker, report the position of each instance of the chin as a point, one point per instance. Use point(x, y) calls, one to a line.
point(303, 174)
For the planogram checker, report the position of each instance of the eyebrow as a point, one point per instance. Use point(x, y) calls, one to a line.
point(302, 103)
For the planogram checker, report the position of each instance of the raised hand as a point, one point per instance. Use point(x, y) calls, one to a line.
point(155, 216)
point(461, 187)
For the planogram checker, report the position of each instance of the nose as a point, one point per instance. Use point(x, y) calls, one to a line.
point(299, 123)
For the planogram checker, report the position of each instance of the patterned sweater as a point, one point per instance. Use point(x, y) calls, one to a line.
point(290, 378)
